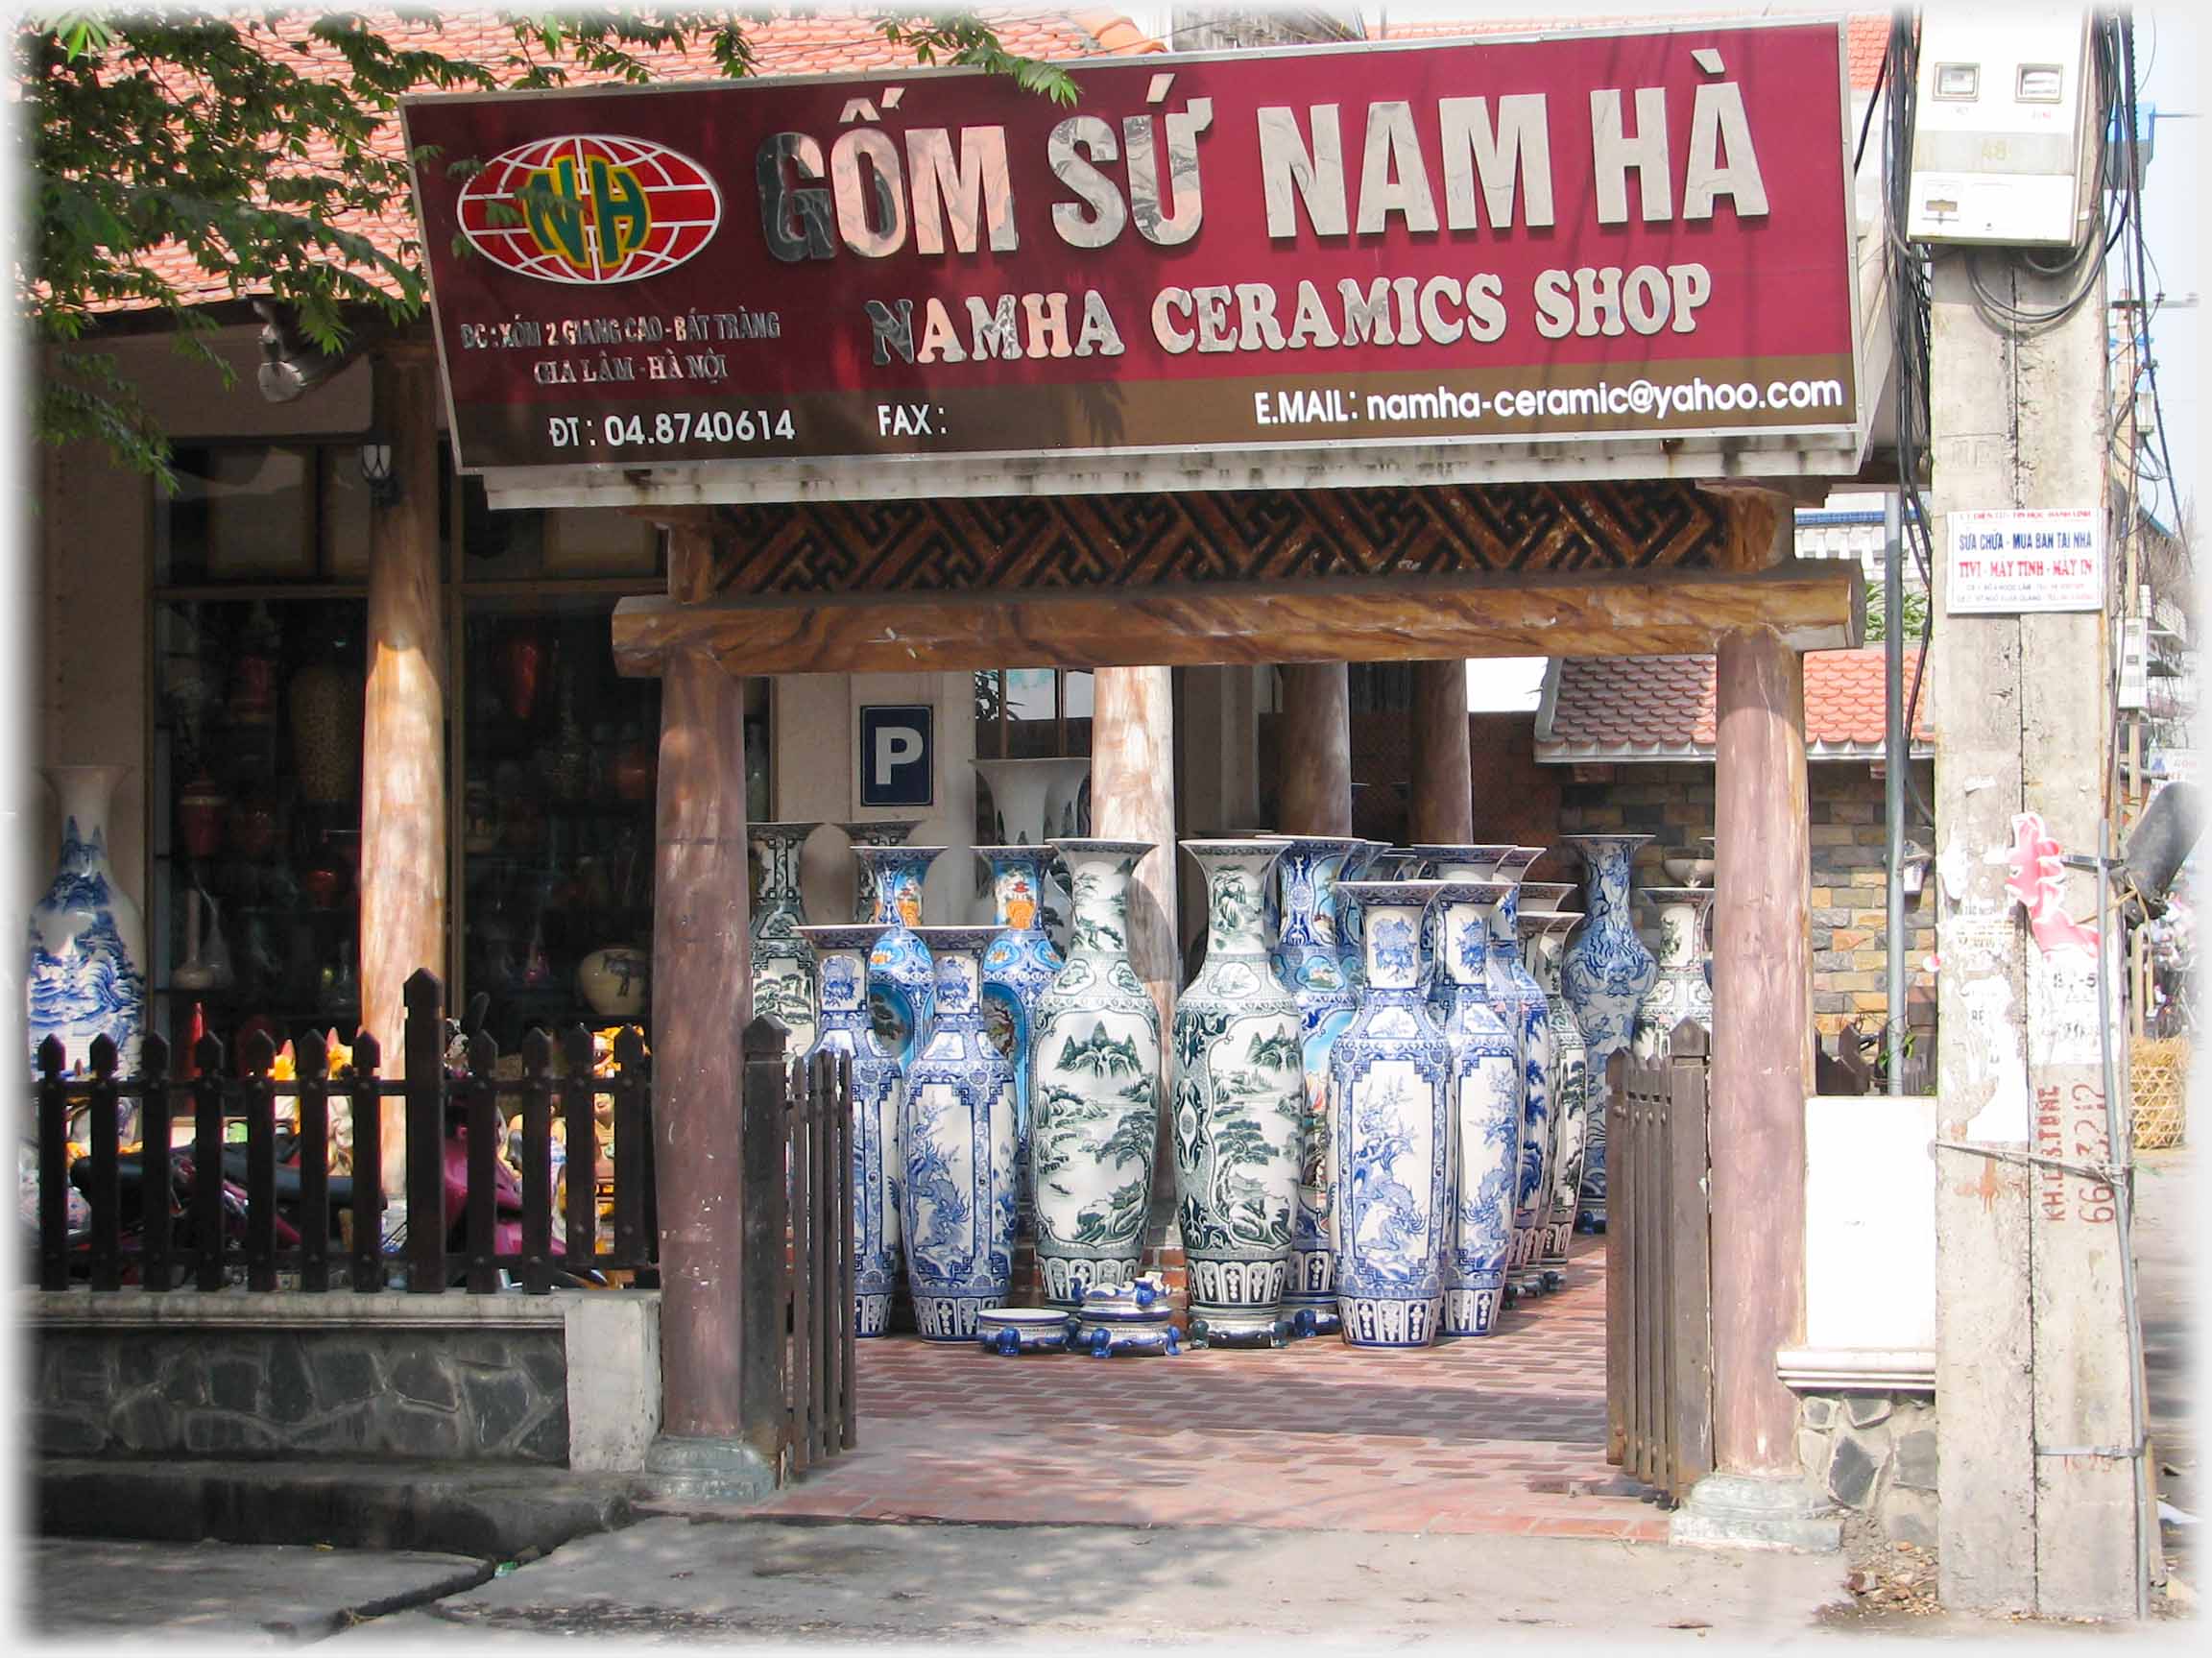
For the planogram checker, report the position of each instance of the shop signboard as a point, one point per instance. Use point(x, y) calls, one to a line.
point(1552, 245)
point(2010, 562)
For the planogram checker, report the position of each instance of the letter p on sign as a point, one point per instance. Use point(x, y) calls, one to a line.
point(896, 756)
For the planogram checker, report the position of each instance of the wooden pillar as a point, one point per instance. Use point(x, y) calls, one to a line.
point(701, 1000)
point(1313, 759)
point(1762, 1048)
point(403, 808)
point(1443, 784)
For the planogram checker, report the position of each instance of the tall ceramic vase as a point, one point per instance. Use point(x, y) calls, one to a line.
point(901, 984)
point(1530, 1016)
point(85, 978)
point(1680, 990)
point(960, 1177)
point(1462, 863)
point(1604, 977)
point(1098, 1077)
point(1034, 801)
point(1485, 1112)
point(1350, 933)
point(1310, 960)
point(1391, 1074)
point(887, 831)
point(1570, 1088)
point(1018, 967)
point(878, 1116)
point(1240, 1105)
point(783, 974)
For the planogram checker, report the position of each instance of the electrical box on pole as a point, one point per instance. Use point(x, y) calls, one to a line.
point(2005, 125)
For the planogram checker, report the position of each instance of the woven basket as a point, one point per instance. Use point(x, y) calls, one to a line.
point(2159, 1071)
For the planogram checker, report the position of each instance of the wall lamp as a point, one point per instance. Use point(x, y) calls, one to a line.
point(376, 472)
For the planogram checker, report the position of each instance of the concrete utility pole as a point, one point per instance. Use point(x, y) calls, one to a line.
point(2039, 1496)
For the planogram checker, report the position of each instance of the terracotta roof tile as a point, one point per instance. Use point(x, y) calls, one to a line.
point(1630, 706)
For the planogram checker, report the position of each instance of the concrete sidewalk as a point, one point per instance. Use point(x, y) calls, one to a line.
point(86, 1590)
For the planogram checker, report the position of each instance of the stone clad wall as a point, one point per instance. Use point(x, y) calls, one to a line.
point(1874, 1453)
point(467, 1394)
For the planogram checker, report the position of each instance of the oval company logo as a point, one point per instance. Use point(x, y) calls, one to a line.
point(618, 209)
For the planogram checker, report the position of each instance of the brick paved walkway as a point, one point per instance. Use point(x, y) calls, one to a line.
point(1506, 1433)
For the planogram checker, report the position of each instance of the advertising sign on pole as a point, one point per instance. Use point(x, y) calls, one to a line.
point(2007, 563)
point(1584, 239)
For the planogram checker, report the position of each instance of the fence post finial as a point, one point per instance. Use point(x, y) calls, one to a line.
point(764, 1037)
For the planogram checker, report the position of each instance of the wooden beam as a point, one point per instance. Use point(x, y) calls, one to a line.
point(403, 882)
point(1811, 606)
point(1443, 784)
point(1314, 744)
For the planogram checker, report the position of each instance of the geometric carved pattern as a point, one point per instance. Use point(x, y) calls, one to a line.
point(1027, 543)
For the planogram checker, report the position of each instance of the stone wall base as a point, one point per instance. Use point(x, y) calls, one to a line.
point(1875, 1453)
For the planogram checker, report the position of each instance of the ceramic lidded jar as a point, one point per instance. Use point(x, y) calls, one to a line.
point(1570, 1088)
point(1310, 960)
point(1485, 1111)
point(1604, 976)
point(901, 984)
point(1239, 1105)
point(1096, 1075)
point(1018, 967)
point(1390, 1076)
point(960, 1196)
point(1679, 990)
point(784, 969)
point(878, 1116)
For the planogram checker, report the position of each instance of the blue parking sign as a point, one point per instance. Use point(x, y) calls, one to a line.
point(897, 758)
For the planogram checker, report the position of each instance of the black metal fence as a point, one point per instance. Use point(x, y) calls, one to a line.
point(276, 1216)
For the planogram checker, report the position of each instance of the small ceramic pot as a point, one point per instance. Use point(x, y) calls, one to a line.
point(1012, 1330)
point(613, 981)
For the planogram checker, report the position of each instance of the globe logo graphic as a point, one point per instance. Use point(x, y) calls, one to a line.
point(590, 209)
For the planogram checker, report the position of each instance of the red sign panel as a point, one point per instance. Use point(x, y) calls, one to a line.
point(1567, 239)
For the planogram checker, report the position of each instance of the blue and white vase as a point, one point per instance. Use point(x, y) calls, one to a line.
point(878, 1116)
point(1485, 1112)
point(1604, 976)
point(1240, 1104)
point(1390, 1074)
point(1034, 801)
point(1308, 959)
point(1570, 1088)
point(1018, 967)
point(961, 1184)
point(1528, 1015)
point(1096, 1069)
point(886, 831)
point(86, 972)
point(901, 984)
point(1439, 862)
point(1679, 990)
point(782, 962)
point(1352, 941)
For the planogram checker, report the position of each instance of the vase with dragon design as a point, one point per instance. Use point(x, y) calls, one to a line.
point(1019, 965)
point(879, 1115)
point(1679, 990)
point(1390, 1077)
point(1485, 1092)
point(901, 984)
point(86, 974)
point(1096, 1068)
point(1528, 1015)
point(960, 1196)
point(1604, 976)
point(1240, 1106)
point(784, 981)
point(1570, 1086)
point(1308, 959)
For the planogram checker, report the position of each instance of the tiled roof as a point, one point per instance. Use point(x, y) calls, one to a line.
point(1662, 707)
point(789, 43)
point(1866, 38)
